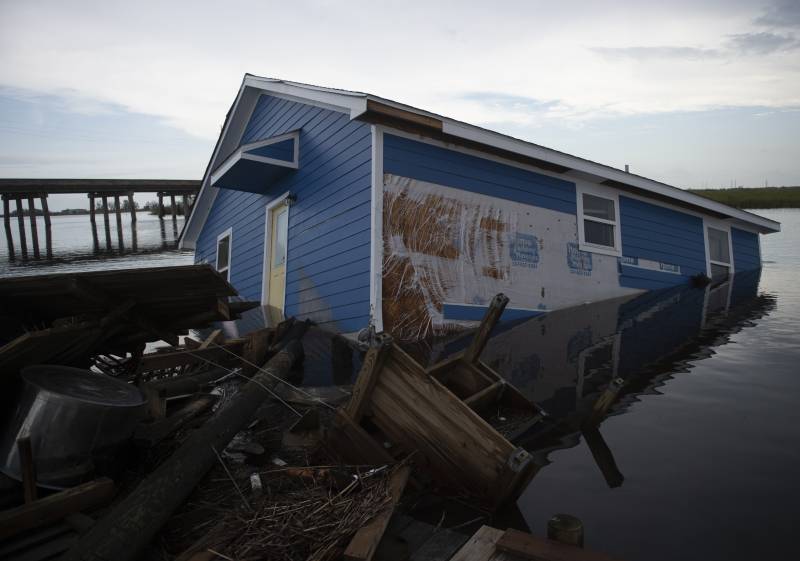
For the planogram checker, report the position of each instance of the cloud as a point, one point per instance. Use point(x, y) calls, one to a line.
point(661, 52)
point(783, 13)
point(762, 43)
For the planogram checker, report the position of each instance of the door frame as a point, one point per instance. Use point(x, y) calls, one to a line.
point(277, 201)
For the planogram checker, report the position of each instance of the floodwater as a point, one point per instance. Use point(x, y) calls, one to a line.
point(700, 455)
point(74, 250)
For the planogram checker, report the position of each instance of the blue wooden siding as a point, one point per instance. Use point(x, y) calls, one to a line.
point(659, 234)
point(746, 253)
point(417, 160)
point(328, 253)
point(283, 150)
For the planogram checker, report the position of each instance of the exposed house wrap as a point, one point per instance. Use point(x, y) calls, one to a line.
point(448, 251)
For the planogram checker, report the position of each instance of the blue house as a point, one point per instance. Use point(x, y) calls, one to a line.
point(356, 211)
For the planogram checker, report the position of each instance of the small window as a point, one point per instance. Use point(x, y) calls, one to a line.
point(719, 255)
point(224, 254)
point(599, 223)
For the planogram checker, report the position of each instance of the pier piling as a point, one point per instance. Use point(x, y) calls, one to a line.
point(23, 244)
point(185, 207)
point(106, 223)
point(48, 234)
point(132, 208)
point(172, 207)
point(118, 212)
point(160, 206)
point(7, 223)
point(93, 219)
point(34, 229)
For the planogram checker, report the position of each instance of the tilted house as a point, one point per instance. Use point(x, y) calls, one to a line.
point(354, 210)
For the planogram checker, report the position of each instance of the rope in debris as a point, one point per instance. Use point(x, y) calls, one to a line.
point(295, 388)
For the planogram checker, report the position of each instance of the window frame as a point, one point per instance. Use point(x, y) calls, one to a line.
point(603, 193)
point(227, 271)
point(723, 227)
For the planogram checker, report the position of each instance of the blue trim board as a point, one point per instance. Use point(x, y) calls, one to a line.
point(466, 312)
point(425, 162)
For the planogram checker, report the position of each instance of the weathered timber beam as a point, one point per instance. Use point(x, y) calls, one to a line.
point(526, 546)
point(132, 524)
point(106, 222)
point(48, 234)
point(7, 224)
point(55, 507)
point(367, 377)
point(132, 208)
point(603, 457)
point(93, 220)
point(151, 434)
point(365, 542)
point(490, 319)
point(23, 244)
point(34, 229)
point(172, 207)
point(160, 206)
point(118, 213)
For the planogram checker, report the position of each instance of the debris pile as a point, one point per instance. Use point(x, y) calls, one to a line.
point(232, 457)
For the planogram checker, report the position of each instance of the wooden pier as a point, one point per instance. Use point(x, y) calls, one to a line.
point(29, 190)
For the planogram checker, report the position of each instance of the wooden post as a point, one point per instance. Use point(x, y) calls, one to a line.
point(367, 377)
point(23, 244)
point(172, 205)
point(93, 220)
point(27, 468)
point(161, 206)
point(105, 222)
point(603, 457)
point(118, 211)
point(34, 229)
point(132, 208)
point(473, 352)
point(185, 207)
point(7, 222)
point(48, 235)
point(130, 526)
point(565, 528)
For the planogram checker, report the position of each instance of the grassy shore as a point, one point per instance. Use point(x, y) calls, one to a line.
point(754, 197)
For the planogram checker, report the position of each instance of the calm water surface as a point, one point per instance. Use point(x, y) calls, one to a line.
point(73, 247)
point(700, 456)
point(707, 433)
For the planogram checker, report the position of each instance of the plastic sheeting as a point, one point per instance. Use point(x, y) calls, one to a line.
point(447, 250)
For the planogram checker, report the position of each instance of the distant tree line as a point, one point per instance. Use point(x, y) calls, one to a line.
point(754, 197)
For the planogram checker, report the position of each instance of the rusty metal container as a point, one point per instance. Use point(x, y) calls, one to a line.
point(69, 414)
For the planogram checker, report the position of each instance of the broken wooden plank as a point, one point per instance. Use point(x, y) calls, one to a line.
point(350, 441)
point(480, 547)
point(363, 545)
point(490, 319)
point(27, 467)
point(367, 376)
point(528, 546)
point(151, 434)
point(56, 506)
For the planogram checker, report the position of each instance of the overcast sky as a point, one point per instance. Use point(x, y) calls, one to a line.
point(691, 92)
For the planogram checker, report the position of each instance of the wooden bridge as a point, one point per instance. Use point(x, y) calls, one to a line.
point(28, 190)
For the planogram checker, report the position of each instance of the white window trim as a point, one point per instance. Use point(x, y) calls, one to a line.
point(605, 193)
point(276, 202)
point(725, 227)
point(229, 234)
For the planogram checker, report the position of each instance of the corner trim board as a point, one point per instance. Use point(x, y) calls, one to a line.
point(376, 228)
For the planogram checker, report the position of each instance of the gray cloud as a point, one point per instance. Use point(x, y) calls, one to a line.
point(648, 53)
point(762, 43)
point(507, 101)
point(784, 13)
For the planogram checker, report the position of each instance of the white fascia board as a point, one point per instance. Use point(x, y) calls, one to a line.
point(497, 140)
point(354, 102)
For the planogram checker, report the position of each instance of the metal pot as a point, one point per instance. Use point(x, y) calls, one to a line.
point(68, 413)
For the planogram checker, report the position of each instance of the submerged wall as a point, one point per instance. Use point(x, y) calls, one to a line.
point(328, 254)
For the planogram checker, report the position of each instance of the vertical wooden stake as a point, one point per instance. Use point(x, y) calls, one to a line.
point(161, 206)
point(34, 229)
point(473, 352)
point(7, 222)
point(23, 244)
point(132, 208)
point(565, 528)
point(48, 235)
point(118, 212)
point(93, 220)
point(172, 205)
point(185, 207)
point(27, 468)
point(105, 222)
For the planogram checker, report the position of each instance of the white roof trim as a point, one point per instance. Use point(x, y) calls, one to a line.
point(241, 154)
point(355, 104)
